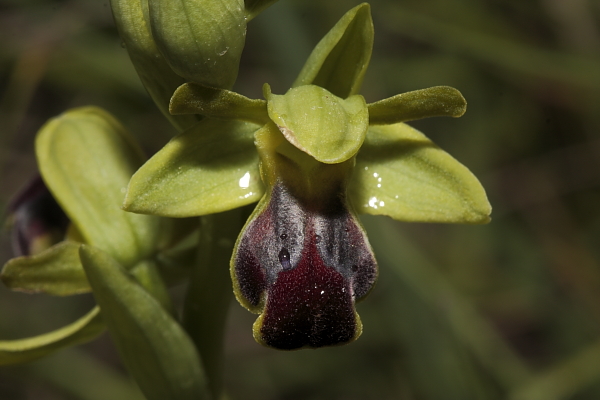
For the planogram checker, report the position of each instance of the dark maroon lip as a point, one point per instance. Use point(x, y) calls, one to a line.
point(310, 305)
point(304, 268)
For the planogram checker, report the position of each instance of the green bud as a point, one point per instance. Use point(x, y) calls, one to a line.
point(201, 40)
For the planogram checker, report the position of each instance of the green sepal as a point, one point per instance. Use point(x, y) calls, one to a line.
point(438, 101)
point(132, 20)
point(209, 168)
point(81, 331)
point(255, 7)
point(339, 61)
point(86, 159)
point(55, 271)
point(400, 173)
point(202, 41)
point(193, 98)
point(326, 127)
point(155, 349)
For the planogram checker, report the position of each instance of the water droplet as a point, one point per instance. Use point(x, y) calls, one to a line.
point(244, 181)
point(283, 236)
point(322, 292)
point(284, 259)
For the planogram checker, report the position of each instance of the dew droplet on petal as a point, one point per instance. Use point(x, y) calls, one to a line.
point(284, 259)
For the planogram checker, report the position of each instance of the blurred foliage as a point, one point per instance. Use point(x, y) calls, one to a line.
point(509, 310)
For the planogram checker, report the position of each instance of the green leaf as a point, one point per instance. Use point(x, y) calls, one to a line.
point(438, 101)
point(201, 40)
point(155, 349)
point(81, 331)
point(86, 159)
point(209, 168)
point(255, 7)
point(399, 172)
point(56, 271)
point(132, 20)
point(328, 128)
point(192, 98)
point(339, 61)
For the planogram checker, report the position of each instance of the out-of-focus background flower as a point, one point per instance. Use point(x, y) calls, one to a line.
point(509, 310)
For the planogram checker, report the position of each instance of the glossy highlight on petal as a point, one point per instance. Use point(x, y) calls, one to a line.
point(303, 266)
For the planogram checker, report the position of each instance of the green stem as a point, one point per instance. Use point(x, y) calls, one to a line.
point(209, 292)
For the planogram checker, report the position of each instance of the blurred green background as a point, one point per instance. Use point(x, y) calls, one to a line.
point(509, 310)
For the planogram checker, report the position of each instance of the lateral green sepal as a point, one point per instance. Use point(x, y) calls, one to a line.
point(400, 173)
point(209, 168)
point(438, 101)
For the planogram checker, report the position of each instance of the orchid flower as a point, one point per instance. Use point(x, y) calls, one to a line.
point(313, 158)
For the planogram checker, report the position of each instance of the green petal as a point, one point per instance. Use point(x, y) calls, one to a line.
point(156, 350)
point(209, 168)
point(81, 331)
point(201, 40)
point(255, 7)
point(86, 159)
point(339, 61)
point(192, 98)
point(438, 101)
point(400, 173)
point(328, 128)
point(56, 271)
point(131, 18)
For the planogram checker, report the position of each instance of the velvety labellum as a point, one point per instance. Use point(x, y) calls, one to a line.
point(304, 266)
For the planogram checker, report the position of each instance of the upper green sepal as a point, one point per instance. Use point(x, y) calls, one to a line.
point(328, 128)
point(438, 101)
point(339, 61)
point(202, 41)
point(193, 98)
point(400, 173)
